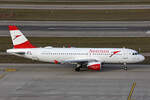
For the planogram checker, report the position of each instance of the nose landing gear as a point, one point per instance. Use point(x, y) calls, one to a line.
point(125, 66)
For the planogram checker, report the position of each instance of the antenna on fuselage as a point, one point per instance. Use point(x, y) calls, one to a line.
point(139, 50)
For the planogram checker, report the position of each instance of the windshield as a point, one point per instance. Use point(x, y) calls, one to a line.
point(135, 53)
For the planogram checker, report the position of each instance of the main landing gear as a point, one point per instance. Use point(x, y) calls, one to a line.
point(77, 69)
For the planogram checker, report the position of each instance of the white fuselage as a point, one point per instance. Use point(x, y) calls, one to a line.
point(60, 55)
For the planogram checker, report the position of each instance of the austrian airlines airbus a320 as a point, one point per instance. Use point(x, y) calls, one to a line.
point(92, 58)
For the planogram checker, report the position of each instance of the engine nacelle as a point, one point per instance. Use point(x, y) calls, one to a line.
point(94, 65)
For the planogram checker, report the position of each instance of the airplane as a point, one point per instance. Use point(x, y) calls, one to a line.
point(91, 58)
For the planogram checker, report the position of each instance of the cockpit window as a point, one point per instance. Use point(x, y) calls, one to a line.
point(135, 53)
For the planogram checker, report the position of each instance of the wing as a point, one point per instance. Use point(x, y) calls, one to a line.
point(78, 61)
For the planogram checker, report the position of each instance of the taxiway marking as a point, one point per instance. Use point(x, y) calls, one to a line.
point(131, 91)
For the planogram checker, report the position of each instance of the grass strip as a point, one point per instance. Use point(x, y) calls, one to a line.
point(75, 15)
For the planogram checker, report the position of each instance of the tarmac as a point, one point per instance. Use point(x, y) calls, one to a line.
point(54, 82)
point(79, 29)
point(75, 7)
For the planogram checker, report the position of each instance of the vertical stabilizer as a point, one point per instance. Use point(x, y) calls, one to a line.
point(18, 39)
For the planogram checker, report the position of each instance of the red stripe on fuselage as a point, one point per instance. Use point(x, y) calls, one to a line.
point(26, 44)
point(55, 61)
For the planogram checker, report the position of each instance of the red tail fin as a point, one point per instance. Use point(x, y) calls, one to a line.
point(26, 44)
point(19, 40)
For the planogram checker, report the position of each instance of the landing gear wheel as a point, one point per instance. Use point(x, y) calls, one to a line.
point(77, 69)
point(125, 66)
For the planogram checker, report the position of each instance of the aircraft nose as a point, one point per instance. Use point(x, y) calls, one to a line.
point(142, 58)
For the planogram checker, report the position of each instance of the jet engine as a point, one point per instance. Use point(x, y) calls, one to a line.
point(94, 65)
